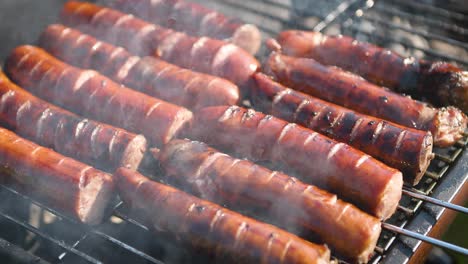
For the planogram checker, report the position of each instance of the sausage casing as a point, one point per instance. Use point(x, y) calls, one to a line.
point(406, 149)
point(60, 182)
point(194, 19)
point(212, 227)
point(439, 82)
point(149, 75)
point(302, 208)
point(203, 54)
point(319, 160)
point(92, 142)
point(447, 125)
point(90, 94)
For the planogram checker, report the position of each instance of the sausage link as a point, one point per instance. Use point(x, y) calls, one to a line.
point(447, 125)
point(321, 161)
point(92, 142)
point(193, 19)
point(212, 227)
point(408, 150)
point(203, 54)
point(148, 75)
point(68, 185)
point(90, 94)
point(306, 209)
point(440, 82)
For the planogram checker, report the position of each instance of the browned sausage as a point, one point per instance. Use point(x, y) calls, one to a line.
point(92, 142)
point(90, 94)
point(68, 185)
point(217, 177)
point(351, 91)
point(440, 82)
point(193, 19)
point(406, 149)
point(203, 54)
point(212, 227)
point(333, 166)
point(148, 75)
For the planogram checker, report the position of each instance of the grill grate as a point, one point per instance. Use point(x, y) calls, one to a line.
point(396, 24)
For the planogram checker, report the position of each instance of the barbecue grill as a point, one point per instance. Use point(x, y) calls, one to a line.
point(31, 232)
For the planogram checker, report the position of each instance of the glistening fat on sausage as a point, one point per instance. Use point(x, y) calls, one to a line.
point(211, 227)
point(332, 84)
point(240, 184)
point(193, 19)
point(317, 159)
point(203, 54)
point(149, 75)
point(406, 149)
point(90, 94)
point(60, 182)
point(89, 141)
point(440, 82)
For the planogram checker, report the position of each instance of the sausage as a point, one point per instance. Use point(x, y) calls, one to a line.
point(194, 19)
point(148, 75)
point(440, 82)
point(351, 91)
point(203, 54)
point(408, 150)
point(90, 94)
point(92, 142)
point(217, 177)
point(212, 227)
point(319, 160)
point(63, 183)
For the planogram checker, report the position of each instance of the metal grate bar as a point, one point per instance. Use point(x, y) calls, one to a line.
point(341, 9)
point(50, 238)
point(436, 201)
point(386, 23)
point(434, 10)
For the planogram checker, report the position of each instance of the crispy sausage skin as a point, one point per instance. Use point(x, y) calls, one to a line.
point(351, 91)
point(217, 177)
point(203, 54)
point(68, 185)
point(148, 75)
point(212, 227)
point(408, 150)
point(90, 94)
point(439, 82)
point(319, 160)
point(92, 142)
point(193, 19)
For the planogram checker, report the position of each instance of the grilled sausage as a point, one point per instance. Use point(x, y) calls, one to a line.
point(193, 19)
point(408, 150)
point(206, 55)
point(68, 185)
point(90, 94)
point(321, 161)
point(351, 91)
point(92, 142)
point(217, 177)
point(439, 82)
point(212, 227)
point(148, 75)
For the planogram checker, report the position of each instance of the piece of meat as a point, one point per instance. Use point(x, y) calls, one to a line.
point(203, 54)
point(92, 142)
point(317, 159)
point(63, 183)
point(408, 150)
point(332, 84)
point(149, 75)
point(211, 227)
point(193, 19)
point(90, 94)
point(441, 83)
point(240, 184)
